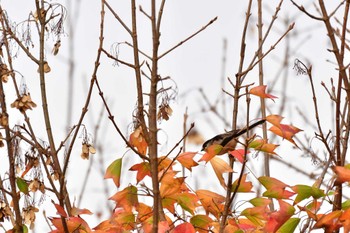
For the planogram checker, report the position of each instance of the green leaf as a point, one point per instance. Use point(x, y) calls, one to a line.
point(113, 171)
point(22, 185)
point(188, 201)
point(260, 201)
point(345, 205)
point(201, 221)
point(289, 226)
point(25, 229)
point(305, 192)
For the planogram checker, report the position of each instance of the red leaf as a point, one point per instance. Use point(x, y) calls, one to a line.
point(143, 169)
point(278, 218)
point(239, 154)
point(184, 228)
point(60, 210)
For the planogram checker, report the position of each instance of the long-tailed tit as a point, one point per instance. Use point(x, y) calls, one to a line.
point(228, 140)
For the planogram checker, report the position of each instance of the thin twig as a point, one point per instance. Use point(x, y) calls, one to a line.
point(118, 18)
point(188, 38)
point(117, 60)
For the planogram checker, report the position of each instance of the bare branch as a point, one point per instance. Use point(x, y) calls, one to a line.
point(188, 38)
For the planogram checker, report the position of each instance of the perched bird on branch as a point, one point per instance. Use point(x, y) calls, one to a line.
point(228, 140)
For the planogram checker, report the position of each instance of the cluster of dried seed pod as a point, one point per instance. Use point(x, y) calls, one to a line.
point(36, 184)
point(5, 211)
point(23, 103)
point(29, 215)
point(4, 73)
point(164, 112)
point(4, 119)
point(86, 150)
point(1, 141)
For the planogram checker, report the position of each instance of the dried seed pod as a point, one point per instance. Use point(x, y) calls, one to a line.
point(56, 48)
point(4, 73)
point(23, 103)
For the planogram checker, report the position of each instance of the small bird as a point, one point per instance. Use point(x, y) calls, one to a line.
point(228, 140)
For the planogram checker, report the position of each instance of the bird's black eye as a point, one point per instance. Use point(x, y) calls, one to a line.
point(205, 144)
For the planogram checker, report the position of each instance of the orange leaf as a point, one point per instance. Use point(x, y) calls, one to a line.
point(184, 228)
point(171, 186)
point(168, 203)
point(220, 167)
point(73, 223)
point(121, 221)
point(186, 159)
point(76, 211)
point(274, 119)
point(343, 174)
point(164, 163)
point(77, 223)
point(286, 131)
point(143, 212)
point(211, 151)
point(143, 169)
point(329, 221)
point(212, 202)
point(137, 140)
point(244, 187)
point(127, 198)
point(261, 92)
point(188, 201)
point(311, 209)
point(163, 226)
point(345, 220)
